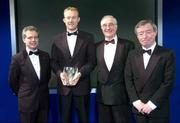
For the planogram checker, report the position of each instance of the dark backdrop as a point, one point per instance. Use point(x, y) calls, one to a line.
point(8, 102)
point(47, 17)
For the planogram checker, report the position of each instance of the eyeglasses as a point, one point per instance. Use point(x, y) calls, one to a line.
point(148, 32)
point(111, 25)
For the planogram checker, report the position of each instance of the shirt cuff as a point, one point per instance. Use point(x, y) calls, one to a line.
point(152, 105)
point(136, 102)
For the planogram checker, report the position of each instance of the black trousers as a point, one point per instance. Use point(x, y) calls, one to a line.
point(40, 116)
point(140, 118)
point(113, 113)
point(81, 106)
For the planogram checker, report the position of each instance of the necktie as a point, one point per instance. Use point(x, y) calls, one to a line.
point(146, 51)
point(111, 41)
point(35, 53)
point(73, 33)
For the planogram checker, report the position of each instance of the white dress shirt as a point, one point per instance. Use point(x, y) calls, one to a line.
point(71, 40)
point(146, 56)
point(109, 53)
point(35, 62)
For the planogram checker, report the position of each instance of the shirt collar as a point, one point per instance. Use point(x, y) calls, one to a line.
point(28, 50)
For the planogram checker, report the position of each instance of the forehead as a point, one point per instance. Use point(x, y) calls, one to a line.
point(31, 33)
point(70, 13)
point(107, 20)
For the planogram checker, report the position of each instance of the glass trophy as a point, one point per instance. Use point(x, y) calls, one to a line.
point(70, 72)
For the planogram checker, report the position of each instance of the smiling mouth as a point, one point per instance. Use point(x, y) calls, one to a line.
point(70, 23)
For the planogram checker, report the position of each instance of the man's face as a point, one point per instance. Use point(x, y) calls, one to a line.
point(71, 20)
point(108, 27)
point(146, 35)
point(31, 39)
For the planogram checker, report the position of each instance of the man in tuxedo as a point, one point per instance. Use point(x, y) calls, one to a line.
point(73, 48)
point(29, 75)
point(112, 99)
point(150, 75)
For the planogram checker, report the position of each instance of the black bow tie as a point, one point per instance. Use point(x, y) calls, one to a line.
point(35, 53)
point(146, 51)
point(73, 33)
point(111, 41)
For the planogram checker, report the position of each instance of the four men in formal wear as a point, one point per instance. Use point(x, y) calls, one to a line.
point(150, 76)
point(111, 54)
point(29, 75)
point(73, 49)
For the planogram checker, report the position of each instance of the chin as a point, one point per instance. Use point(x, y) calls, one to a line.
point(34, 48)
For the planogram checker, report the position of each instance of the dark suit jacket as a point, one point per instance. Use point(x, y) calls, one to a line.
point(155, 83)
point(32, 93)
point(111, 88)
point(83, 58)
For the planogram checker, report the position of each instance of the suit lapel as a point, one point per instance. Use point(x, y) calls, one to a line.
point(41, 62)
point(79, 42)
point(139, 62)
point(101, 56)
point(118, 53)
point(140, 69)
point(63, 45)
point(152, 63)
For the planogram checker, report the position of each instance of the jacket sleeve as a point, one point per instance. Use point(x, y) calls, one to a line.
point(166, 86)
point(129, 80)
point(14, 75)
point(90, 56)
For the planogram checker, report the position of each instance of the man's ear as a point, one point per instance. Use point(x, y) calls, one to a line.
point(64, 20)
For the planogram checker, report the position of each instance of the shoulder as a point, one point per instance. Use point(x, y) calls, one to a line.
point(99, 43)
point(44, 53)
point(19, 57)
point(20, 54)
point(134, 52)
point(164, 51)
point(129, 45)
point(58, 37)
point(125, 41)
point(83, 34)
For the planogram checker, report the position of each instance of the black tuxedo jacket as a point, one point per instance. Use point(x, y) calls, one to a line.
point(154, 83)
point(83, 58)
point(32, 93)
point(111, 88)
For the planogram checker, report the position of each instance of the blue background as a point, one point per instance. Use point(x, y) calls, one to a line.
point(8, 102)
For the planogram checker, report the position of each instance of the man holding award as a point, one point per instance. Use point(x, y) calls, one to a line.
point(73, 58)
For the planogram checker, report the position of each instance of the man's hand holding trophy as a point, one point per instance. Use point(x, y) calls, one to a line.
point(70, 76)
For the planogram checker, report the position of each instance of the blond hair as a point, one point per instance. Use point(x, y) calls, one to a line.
point(29, 28)
point(70, 8)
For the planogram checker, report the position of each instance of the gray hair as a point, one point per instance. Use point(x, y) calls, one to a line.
point(109, 16)
point(144, 22)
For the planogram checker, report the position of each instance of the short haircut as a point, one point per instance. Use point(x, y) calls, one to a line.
point(144, 22)
point(108, 16)
point(29, 28)
point(70, 8)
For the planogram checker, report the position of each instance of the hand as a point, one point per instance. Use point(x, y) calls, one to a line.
point(146, 109)
point(75, 80)
point(139, 105)
point(64, 78)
